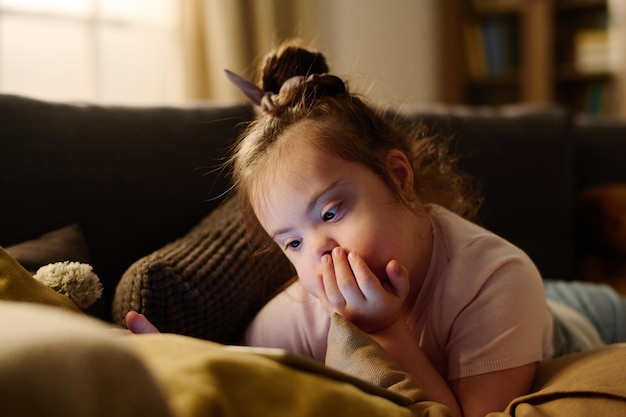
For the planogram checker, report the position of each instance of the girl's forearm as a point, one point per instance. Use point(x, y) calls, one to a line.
point(401, 345)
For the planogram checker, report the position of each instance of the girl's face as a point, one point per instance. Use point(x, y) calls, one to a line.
point(313, 202)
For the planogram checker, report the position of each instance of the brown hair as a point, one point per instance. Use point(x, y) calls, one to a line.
point(346, 126)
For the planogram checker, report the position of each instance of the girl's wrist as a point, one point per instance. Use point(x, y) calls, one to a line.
point(391, 331)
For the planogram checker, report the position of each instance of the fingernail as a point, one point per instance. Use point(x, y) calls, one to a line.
point(325, 258)
point(353, 255)
point(337, 251)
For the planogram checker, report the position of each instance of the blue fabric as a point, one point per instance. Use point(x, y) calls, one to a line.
point(600, 303)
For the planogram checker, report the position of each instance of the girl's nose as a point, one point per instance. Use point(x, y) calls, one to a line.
point(324, 246)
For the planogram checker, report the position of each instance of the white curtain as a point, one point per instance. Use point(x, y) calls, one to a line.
point(230, 34)
point(617, 44)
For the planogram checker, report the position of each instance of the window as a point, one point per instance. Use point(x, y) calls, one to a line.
point(106, 51)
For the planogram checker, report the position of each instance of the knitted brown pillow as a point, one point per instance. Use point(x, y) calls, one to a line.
point(208, 284)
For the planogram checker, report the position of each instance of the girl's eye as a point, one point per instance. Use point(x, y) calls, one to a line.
point(294, 244)
point(331, 213)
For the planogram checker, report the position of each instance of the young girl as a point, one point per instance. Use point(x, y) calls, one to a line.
point(374, 220)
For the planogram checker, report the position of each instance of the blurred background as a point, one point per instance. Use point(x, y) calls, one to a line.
point(398, 52)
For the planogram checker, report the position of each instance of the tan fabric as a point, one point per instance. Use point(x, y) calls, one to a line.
point(17, 284)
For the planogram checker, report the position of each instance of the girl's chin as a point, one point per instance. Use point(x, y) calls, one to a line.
point(308, 287)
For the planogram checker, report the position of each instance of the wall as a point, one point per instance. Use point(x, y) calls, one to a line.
point(617, 36)
point(388, 49)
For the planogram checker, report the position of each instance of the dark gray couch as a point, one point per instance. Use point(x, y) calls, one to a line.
point(136, 180)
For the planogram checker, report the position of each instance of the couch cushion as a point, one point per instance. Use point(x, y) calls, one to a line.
point(208, 284)
point(64, 244)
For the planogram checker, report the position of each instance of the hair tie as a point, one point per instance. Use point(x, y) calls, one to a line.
point(325, 84)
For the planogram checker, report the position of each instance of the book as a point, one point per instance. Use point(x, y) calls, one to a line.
point(500, 40)
point(591, 50)
point(475, 51)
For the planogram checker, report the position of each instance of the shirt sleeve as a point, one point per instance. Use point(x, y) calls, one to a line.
point(294, 320)
point(500, 320)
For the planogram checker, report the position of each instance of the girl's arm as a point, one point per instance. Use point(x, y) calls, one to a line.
point(481, 394)
point(348, 287)
point(402, 346)
point(474, 396)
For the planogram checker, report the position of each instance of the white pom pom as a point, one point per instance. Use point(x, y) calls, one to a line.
point(75, 280)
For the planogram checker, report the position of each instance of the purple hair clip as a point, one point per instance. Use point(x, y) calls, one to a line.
point(248, 88)
point(267, 100)
point(258, 97)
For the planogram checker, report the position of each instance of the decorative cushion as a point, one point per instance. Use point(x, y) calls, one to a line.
point(208, 284)
point(64, 244)
point(17, 284)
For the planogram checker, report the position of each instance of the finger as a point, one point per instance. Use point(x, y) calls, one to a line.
point(123, 332)
point(320, 292)
point(369, 285)
point(346, 281)
point(398, 278)
point(139, 324)
point(333, 294)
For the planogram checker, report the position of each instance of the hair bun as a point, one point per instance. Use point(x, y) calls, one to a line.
point(315, 85)
point(290, 74)
point(288, 61)
point(312, 87)
point(328, 85)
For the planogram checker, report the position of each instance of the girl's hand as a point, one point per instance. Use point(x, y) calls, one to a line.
point(349, 287)
point(139, 324)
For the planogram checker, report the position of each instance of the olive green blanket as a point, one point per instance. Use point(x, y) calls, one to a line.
point(59, 363)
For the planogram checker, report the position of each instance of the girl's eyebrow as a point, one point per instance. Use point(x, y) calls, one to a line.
point(311, 204)
point(316, 197)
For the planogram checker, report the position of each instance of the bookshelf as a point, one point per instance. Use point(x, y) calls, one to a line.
point(536, 51)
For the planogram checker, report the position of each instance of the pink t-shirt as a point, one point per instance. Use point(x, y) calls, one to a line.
point(482, 307)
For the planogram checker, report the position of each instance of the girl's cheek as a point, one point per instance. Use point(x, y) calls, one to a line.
point(308, 283)
point(309, 277)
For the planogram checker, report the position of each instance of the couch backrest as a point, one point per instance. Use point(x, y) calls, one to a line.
point(522, 157)
point(132, 178)
point(135, 179)
point(600, 151)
